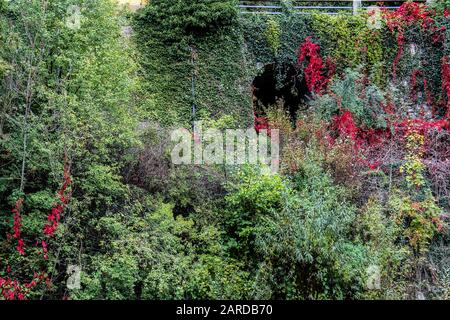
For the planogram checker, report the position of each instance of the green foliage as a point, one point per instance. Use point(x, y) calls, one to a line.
point(273, 35)
point(350, 93)
point(305, 246)
point(193, 57)
point(413, 166)
point(381, 234)
point(350, 42)
point(177, 20)
point(418, 218)
point(256, 195)
point(152, 255)
point(142, 228)
point(274, 40)
point(295, 237)
point(80, 86)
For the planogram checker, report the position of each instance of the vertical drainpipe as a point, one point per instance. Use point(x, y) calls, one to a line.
point(193, 82)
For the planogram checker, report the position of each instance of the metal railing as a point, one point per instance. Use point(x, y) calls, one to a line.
point(315, 6)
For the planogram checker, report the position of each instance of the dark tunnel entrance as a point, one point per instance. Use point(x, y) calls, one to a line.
point(285, 90)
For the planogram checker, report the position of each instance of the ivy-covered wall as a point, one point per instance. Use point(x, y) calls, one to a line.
point(193, 54)
point(224, 58)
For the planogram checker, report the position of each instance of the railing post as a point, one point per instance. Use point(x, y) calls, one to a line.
point(356, 5)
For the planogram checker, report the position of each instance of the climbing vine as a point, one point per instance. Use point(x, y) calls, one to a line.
point(397, 21)
point(273, 33)
point(316, 79)
point(13, 288)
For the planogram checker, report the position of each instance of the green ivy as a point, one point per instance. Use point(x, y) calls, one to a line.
point(273, 35)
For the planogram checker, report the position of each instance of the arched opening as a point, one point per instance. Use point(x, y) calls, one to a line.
point(270, 89)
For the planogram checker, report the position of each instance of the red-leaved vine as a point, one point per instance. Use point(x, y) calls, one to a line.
point(346, 126)
point(261, 123)
point(55, 214)
point(315, 79)
point(367, 139)
point(398, 20)
point(11, 288)
point(446, 83)
point(17, 226)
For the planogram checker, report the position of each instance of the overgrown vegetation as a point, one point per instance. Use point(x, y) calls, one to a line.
point(358, 210)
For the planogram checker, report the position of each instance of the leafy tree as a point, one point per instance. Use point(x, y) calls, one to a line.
point(296, 237)
point(66, 91)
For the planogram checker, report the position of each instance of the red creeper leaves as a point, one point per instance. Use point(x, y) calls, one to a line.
point(20, 247)
point(10, 288)
point(398, 20)
point(17, 219)
point(261, 123)
point(55, 214)
point(17, 226)
point(366, 139)
point(315, 80)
